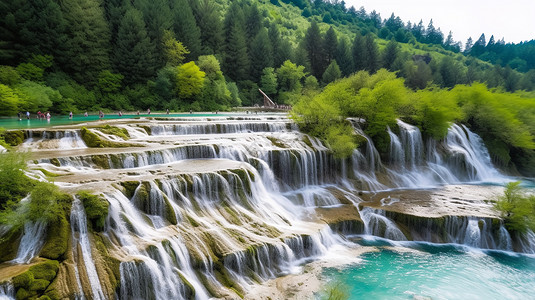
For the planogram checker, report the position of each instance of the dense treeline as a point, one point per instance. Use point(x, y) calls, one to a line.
point(505, 121)
point(212, 55)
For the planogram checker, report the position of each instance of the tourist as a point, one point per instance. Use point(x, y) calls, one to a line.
point(100, 115)
point(190, 111)
point(138, 112)
point(167, 110)
point(70, 115)
point(28, 115)
point(148, 111)
point(120, 113)
point(48, 116)
point(85, 114)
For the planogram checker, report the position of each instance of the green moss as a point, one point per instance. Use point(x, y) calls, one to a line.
point(22, 280)
point(147, 129)
point(113, 130)
point(101, 161)
point(130, 188)
point(276, 142)
point(57, 239)
point(9, 243)
point(14, 137)
point(169, 212)
point(96, 209)
point(46, 270)
point(94, 141)
point(55, 162)
point(190, 290)
point(44, 298)
point(22, 294)
point(306, 140)
point(39, 285)
point(48, 173)
point(192, 221)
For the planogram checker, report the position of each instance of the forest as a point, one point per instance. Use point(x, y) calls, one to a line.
point(89, 55)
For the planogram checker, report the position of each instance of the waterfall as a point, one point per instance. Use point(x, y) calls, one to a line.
point(31, 242)
point(82, 250)
point(7, 291)
point(375, 223)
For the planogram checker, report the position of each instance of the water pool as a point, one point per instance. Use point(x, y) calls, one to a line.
point(433, 271)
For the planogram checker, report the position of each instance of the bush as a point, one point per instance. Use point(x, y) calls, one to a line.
point(517, 209)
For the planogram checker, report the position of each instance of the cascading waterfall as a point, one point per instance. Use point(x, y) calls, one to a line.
point(7, 291)
point(82, 251)
point(31, 242)
point(375, 223)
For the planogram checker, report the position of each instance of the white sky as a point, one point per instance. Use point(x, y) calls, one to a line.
point(514, 20)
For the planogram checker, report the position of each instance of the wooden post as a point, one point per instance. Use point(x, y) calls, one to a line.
point(267, 101)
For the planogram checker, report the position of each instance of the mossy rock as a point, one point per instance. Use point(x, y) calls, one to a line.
point(22, 294)
point(55, 162)
point(57, 239)
point(189, 289)
point(22, 280)
point(276, 142)
point(9, 243)
point(46, 270)
point(92, 140)
point(96, 209)
point(39, 285)
point(113, 130)
point(101, 161)
point(14, 137)
point(130, 188)
point(147, 129)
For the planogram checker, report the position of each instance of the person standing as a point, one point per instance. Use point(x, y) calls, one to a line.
point(28, 115)
point(70, 115)
point(148, 111)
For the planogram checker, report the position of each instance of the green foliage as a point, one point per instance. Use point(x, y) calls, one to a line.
point(335, 291)
point(13, 137)
point(94, 141)
point(30, 71)
point(113, 130)
point(268, 81)
point(332, 73)
point(174, 51)
point(517, 209)
point(290, 75)
point(9, 75)
point(33, 283)
point(14, 185)
point(96, 209)
point(109, 82)
point(9, 101)
point(189, 80)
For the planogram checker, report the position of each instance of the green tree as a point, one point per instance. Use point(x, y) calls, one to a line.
point(332, 73)
point(261, 54)
point(390, 54)
point(330, 45)
point(290, 75)
point(30, 71)
point(517, 208)
point(185, 27)
point(313, 43)
point(359, 52)
point(343, 56)
point(276, 41)
point(174, 51)
point(9, 101)
point(236, 60)
point(87, 40)
point(134, 53)
point(109, 82)
point(268, 81)
point(9, 75)
point(208, 19)
point(189, 80)
point(371, 54)
point(418, 74)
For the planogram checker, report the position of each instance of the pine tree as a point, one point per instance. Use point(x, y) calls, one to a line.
point(332, 73)
point(358, 52)
point(330, 44)
point(133, 55)
point(390, 54)
point(313, 46)
point(371, 54)
point(235, 59)
point(208, 20)
point(276, 44)
point(468, 45)
point(185, 27)
point(158, 19)
point(260, 54)
point(253, 22)
point(88, 40)
point(343, 56)
point(479, 46)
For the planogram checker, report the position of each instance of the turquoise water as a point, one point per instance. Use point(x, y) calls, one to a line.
point(33, 122)
point(435, 271)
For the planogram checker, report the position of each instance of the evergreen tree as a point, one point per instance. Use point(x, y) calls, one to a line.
point(371, 54)
point(261, 54)
point(479, 46)
point(88, 40)
point(332, 73)
point(343, 56)
point(418, 31)
point(468, 45)
point(236, 60)
point(253, 22)
point(358, 52)
point(114, 11)
point(185, 27)
point(209, 21)
point(276, 44)
point(158, 19)
point(268, 81)
point(390, 54)
point(330, 44)
point(133, 55)
point(313, 46)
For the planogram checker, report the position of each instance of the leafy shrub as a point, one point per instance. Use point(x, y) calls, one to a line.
point(517, 208)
